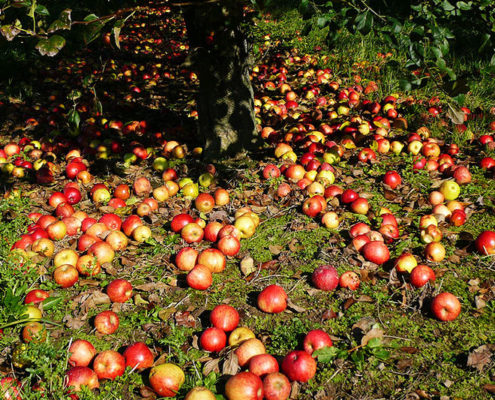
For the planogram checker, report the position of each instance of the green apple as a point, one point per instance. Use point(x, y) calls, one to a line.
point(450, 190)
point(396, 147)
point(206, 179)
point(190, 190)
point(160, 164)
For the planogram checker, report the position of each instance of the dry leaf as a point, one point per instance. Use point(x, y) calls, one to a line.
point(73, 323)
point(295, 307)
point(275, 249)
point(375, 332)
point(489, 388)
point(480, 357)
point(148, 287)
point(138, 300)
point(364, 324)
point(247, 265)
point(349, 302)
point(230, 365)
point(294, 392)
point(211, 366)
point(409, 350)
point(404, 364)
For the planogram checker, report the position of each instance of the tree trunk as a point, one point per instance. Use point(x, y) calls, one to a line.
point(221, 55)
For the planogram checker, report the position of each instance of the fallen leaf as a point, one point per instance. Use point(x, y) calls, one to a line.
point(294, 392)
point(349, 302)
point(247, 265)
point(230, 365)
point(489, 388)
point(295, 307)
point(73, 323)
point(409, 350)
point(211, 366)
point(480, 357)
point(404, 364)
point(375, 332)
point(275, 249)
point(148, 287)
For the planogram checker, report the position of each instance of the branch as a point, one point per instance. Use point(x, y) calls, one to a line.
point(194, 3)
point(110, 16)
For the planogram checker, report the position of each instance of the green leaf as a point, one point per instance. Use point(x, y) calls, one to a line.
point(436, 52)
point(326, 354)
point(51, 46)
point(74, 118)
point(374, 342)
point(486, 39)
point(51, 302)
point(463, 5)
point(405, 85)
point(64, 21)
point(116, 32)
point(42, 10)
point(9, 32)
point(447, 6)
point(364, 22)
point(382, 354)
point(92, 31)
point(321, 22)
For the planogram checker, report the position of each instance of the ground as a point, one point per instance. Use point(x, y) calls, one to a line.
point(71, 101)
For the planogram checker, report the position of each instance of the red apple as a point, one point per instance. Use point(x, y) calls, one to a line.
point(138, 356)
point(224, 317)
point(180, 221)
point(272, 299)
point(109, 364)
point(213, 339)
point(263, 364)
point(111, 221)
point(392, 179)
point(204, 202)
point(376, 252)
point(192, 233)
point(122, 192)
point(485, 243)
point(360, 206)
point(315, 340)
point(325, 277)
point(276, 386)
point(213, 259)
point(106, 322)
point(211, 231)
point(36, 296)
point(421, 275)
point(119, 290)
point(248, 349)
point(349, 280)
point(446, 307)
point(81, 376)
point(88, 265)
point(299, 366)
point(244, 386)
point(81, 353)
point(229, 245)
point(142, 186)
point(166, 379)
point(200, 277)
point(65, 275)
point(102, 251)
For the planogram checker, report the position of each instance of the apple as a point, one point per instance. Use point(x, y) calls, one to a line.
point(435, 252)
point(36, 296)
point(276, 386)
point(229, 245)
point(204, 202)
point(246, 226)
point(169, 175)
point(199, 277)
point(56, 230)
point(360, 206)
point(272, 299)
point(97, 229)
point(88, 265)
point(212, 259)
point(359, 241)
point(315, 340)
point(192, 233)
point(72, 195)
point(325, 277)
point(81, 353)
point(57, 198)
point(421, 275)
point(359, 229)
point(263, 364)
point(224, 317)
point(239, 335)
point(87, 223)
point(138, 356)
point(122, 192)
point(271, 171)
point(130, 224)
point(166, 379)
point(462, 175)
point(102, 251)
point(211, 231)
point(109, 364)
point(85, 242)
point(200, 393)
point(244, 386)
point(65, 275)
point(34, 332)
point(406, 262)
point(446, 307)
point(485, 243)
point(119, 290)
point(376, 252)
point(450, 190)
point(348, 196)
point(221, 196)
point(186, 258)
point(436, 198)
point(458, 218)
point(77, 377)
point(349, 280)
point(248, 349)
point(392, 179)
point(106, 322)
point(142, 186)
point(213, 340)
point(117, 240)
point(101, 195)
point(299, 366)
point(141, 233)
point(111, 221)
point(180, 221)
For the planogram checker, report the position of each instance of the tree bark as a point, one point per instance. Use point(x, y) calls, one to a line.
point(221, 57)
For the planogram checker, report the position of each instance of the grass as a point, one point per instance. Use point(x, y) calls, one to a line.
point(416, 355)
